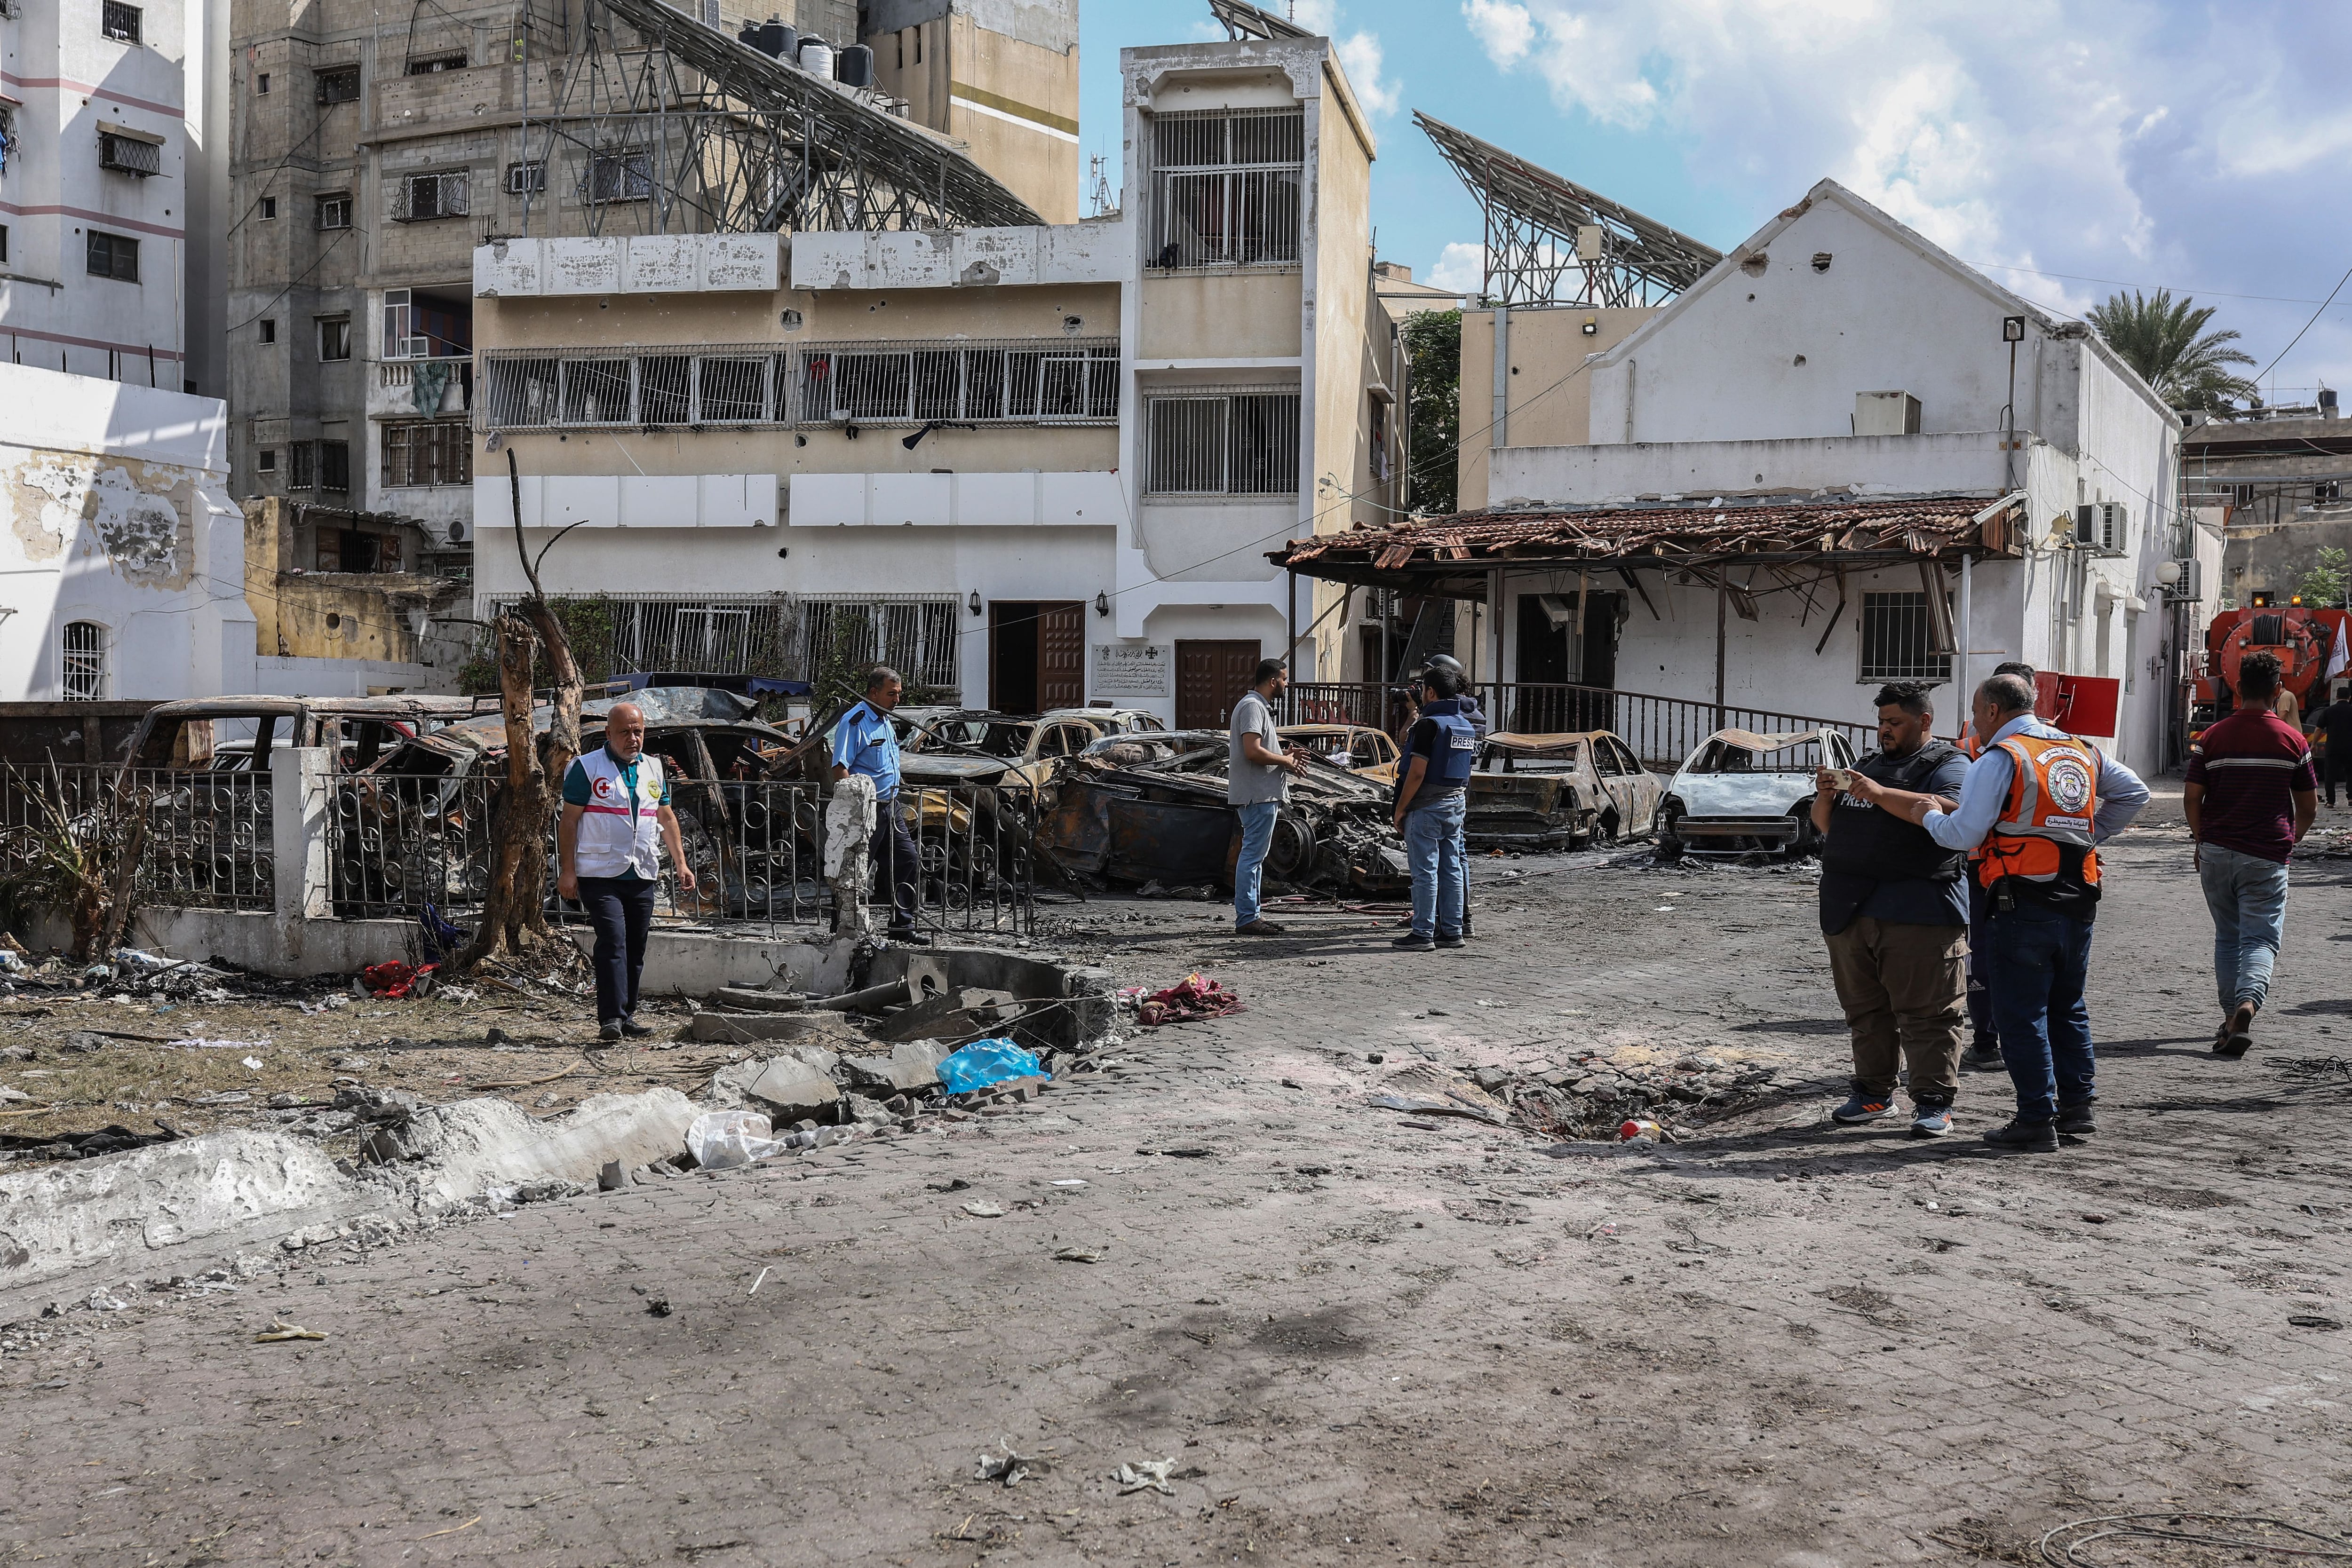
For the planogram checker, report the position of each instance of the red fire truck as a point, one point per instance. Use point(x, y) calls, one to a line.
point(2309, 642)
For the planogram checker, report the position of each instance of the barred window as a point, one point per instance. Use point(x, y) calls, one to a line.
point(335, 465)
point(1074, 382)
point(339, 84)
point(752, 634)
point(441, 195)
point(622, 174)
point(429, 64)
point(1226, 187)
point(81, 662)
point(300, 473)
point(335, 210)
point(113, 255)
point(129, 155)
point(526, 179)
point(119, 21)
point(428, 452)
point(915, 635)
point(1898, 640)
point(1222, 442)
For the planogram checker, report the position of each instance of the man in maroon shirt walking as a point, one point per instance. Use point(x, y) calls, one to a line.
point(2251, 795)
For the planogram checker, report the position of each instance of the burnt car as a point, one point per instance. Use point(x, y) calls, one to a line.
point(1358, 748)
point(226, 734)
point(968, 747)
point(1741, 793)
point(1150, 808)
point(1559, 791)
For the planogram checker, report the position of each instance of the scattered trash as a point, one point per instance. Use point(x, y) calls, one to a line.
point(224, 1097)
point(395, 981)
point(980, 1208)
point(100, 1302)
point(1008, 1467)
point(722, 1140)
point(326, 1004)
point(279, 1331)
point(197, 1042)
point(81, 1145)
point(986, 1061)
point(756, 1284)
point(2094, 1219)
point(1194, 998)
point(1148, 1474)
point(1067, 1182)
point(658, 1307)
point(1077, 1255)
point(2313, 1321)
point(254, 1063)
point(1634, 1128)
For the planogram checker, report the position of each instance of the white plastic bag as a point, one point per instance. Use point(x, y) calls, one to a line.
point(721, 1140)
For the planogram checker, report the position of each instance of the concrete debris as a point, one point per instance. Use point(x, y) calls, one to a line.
point(459, 1151)
point(912, 1065)
point(950, 1015)
point(744, 1029)
point(280, 1332)
point(980, 1208)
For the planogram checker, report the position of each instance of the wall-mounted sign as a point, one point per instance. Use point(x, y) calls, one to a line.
point(1132, 670)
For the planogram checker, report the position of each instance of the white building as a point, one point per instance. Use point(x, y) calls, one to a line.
point(1038, 466)
point(1837, 352)
point(121, 558)
point(106, 171)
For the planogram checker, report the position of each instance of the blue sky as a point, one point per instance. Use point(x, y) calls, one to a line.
point(2063, 146)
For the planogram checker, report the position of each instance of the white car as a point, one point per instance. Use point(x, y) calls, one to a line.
point(1744, 793)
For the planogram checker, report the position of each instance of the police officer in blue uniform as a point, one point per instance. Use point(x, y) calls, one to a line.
point(1432, 782)
point(864, 743)
point(1466, 704)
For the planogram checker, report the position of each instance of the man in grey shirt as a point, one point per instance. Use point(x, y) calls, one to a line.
point(1257, 781)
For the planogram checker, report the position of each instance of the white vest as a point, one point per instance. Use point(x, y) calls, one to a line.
point(620, 832)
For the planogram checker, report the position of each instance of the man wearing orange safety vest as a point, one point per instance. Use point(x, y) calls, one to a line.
point(1983, 1052)
point(2038, 802)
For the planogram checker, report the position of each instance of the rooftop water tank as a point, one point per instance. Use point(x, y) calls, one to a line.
point(853, 66)
point(816, 56)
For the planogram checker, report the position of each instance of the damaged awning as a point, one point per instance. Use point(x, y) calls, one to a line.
point(1454, 556)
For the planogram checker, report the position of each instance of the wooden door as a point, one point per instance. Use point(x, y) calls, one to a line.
point(1061, 655)
point(1210, 676)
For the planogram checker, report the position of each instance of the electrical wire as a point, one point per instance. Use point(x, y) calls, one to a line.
point(2138, 1527)
point(2307, 325)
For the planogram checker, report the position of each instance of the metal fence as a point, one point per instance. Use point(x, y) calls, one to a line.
point(398, 847)
point(203, 840)
point(1661, 731)
point(966, 864)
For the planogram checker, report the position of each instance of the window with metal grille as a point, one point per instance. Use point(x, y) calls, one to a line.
point(129, 155)
point(334, 338)
point(748, 634)
point(119, 22)
point(1222, 442)
point(526, 179)
point(335, 210)
point(1898, 640)
point(81, 662)
point(421, 196)
point(916, 635)
point(428, 452)
point(427, 65)
point(622, 174)
point(301, 469)
point(1074, 381)
point(339, 84)
point(1226, 187)
point(112, 256)
point(334, 465)
point(7, 138)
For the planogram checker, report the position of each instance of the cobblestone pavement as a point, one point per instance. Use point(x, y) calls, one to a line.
point(1358, 1339)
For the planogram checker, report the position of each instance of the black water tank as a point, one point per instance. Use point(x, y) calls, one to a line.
point(750, 35)
point(778, 39)
point(853, 66)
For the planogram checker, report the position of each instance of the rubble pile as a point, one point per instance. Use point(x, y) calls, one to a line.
point(1590, 1096)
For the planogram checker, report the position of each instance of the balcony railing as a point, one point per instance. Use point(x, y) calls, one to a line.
point(447, 383)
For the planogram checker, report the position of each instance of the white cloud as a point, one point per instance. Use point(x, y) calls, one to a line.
point(1360, 57)
point(1503, 28)
point(1460, 266)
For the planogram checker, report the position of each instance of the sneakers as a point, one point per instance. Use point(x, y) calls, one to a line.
point(1414, 941)
point(1457, 940)
point(2024, 1138)
point(1983, 1056)
point(1466, 932)
point(634, 1030)
point(2076, 1121)
point(2235, 1038)
point(1931, 1121)
point(1259, 929)
point(609, 1030)
point(1861, 1108)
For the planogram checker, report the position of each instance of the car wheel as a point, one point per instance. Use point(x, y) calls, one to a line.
point(1604, 833)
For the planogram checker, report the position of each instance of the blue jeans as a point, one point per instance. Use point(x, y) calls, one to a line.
point(2042, 957)
point(1249, 871)
point(2247, 897)
point(1433, 841)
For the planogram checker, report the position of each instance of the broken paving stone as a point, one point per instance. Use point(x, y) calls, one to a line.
point(793, 1087)
point(912, 1065)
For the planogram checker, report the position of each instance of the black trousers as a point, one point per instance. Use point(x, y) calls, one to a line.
point(893, 853)
point(622, 909)
point(2333, 766)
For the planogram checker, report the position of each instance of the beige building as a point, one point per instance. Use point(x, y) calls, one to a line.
point(1000, 75)
point(1035, 466)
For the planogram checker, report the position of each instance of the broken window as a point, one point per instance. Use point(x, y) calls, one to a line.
point(1898, 640)
point(339, 84)
point(1226, 187)
point(81, 662)
point(1222, 442)
point(437, 195)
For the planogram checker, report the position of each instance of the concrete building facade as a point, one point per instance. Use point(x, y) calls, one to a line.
point(1036, 466)
point(2280, 488)
point(1000, 75)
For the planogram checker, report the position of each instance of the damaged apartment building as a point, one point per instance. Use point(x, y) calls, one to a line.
point(1034, 463)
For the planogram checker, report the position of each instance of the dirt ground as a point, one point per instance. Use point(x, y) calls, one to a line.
point(1354, 1336)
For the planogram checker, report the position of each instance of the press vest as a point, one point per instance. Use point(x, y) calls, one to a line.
point(1870, 840)
point(2043, 837)
point(1457, 748)
point(620, 830)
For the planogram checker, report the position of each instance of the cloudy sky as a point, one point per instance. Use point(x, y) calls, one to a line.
point(2063, 146)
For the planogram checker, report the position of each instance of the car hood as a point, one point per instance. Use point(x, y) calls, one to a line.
point(1740, 794)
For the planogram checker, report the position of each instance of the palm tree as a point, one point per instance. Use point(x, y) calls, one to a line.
point(2166, 341)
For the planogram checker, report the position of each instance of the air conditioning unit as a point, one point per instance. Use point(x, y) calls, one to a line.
point(2102, 527)
point(2188, 584)
point(1886, 413)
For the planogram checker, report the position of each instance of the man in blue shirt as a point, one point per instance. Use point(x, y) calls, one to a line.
point(2039, 923)
point(864, 743)
point(616, 818)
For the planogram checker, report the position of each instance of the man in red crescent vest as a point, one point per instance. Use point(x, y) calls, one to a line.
point(2037, 802)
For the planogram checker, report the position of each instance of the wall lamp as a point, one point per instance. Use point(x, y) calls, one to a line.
point(975, 601)
point(1102, 602)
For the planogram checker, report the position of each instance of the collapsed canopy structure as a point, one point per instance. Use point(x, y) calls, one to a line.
point(660, 121)
point(1541, 227)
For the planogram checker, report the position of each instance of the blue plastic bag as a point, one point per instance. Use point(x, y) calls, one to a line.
point(987, 1061)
